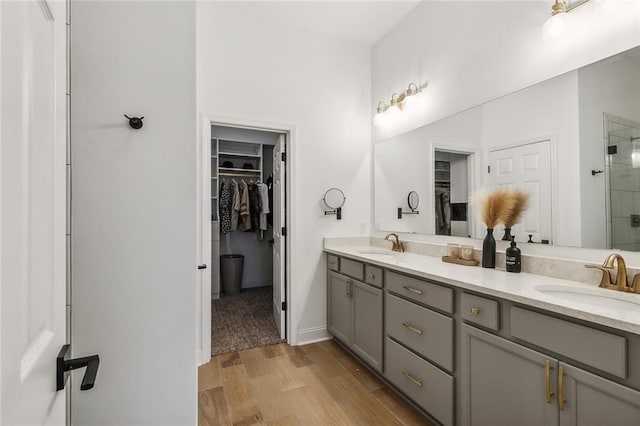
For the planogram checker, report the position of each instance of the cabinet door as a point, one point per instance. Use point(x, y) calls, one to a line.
point(592, 400)
point(339, 307)
point(503, 383)
point(367, 323)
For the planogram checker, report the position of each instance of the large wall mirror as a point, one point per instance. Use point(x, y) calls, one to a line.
point(571, 142)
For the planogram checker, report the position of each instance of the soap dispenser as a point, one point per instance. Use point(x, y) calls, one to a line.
point(513, 256)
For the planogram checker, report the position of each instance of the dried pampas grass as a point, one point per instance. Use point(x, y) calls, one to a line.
point(521, 202)
point(495, 206)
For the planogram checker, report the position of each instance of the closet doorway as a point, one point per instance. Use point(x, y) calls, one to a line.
point(243, 217)
point(452, 177)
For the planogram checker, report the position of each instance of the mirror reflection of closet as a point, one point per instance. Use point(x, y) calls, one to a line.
point(451, 193)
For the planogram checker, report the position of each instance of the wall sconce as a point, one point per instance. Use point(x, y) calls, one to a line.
point(387, 113)
point(556, 26)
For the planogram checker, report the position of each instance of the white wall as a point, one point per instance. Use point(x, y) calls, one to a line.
point(252, 68)
point(610, 86)
point(472, 52)
point(134, 211)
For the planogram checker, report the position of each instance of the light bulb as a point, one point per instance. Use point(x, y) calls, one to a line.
point(392, 113)
point(409, 102)
point(378, 119)
point(556, 26)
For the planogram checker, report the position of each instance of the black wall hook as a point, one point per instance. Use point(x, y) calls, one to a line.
point(135, 122)
point(596, 172)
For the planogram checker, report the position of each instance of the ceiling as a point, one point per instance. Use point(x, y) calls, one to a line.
point(358, 21)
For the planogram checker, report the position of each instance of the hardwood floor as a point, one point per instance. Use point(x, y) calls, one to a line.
point(317, 384)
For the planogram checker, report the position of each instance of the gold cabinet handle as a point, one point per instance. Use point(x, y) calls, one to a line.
point(349, 290)
point(561, 399)
point(413, 379)
point(474, 311)
point(412, 290)
point(412, 328)
point(547, 380)
point(372, 277)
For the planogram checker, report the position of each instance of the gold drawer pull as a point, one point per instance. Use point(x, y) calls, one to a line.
point(561, 399)
point(413, 379)
point(475, 311)
point(547, 380)
point(412, 290)
point(412, 328)
point(372, 277)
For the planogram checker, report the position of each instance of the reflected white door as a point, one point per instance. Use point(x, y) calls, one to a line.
point(526, 167)
point(278, 238)
point(33, 210)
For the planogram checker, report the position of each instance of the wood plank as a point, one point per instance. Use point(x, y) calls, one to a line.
point(283, 421)
point(325, 360)
point(212, 407)
point(242, 405)
point(399, 408)
point(360, 404)
point(271, 401)
point(286, 372)
point(255, 363)
point(273, 351)
point(360, 372)
point(307, 407)
point(210, 374)
point(298, 356)
point(230, 359)
point(334, 348)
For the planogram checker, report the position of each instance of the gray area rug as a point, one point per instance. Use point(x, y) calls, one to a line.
point(243, 321)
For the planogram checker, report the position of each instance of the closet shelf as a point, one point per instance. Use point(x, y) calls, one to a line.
point(235, 154)
point(232, 169)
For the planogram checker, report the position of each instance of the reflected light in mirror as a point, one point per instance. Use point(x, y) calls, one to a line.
point(635, 154)
point(557, 26)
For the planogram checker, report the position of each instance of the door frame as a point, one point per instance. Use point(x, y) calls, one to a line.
point(203, 304)
point(473, 161)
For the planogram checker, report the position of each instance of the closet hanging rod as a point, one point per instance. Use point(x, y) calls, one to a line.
point(256, 173)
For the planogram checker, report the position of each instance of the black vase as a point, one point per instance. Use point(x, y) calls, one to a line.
point(489, 250)
point(507, 234)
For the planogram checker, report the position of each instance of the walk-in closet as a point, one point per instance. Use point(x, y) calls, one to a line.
point(247, 172)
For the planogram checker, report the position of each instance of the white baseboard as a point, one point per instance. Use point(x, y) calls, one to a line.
point(313, 335)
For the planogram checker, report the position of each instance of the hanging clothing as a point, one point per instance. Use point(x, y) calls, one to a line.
point(235, 205)
point(270, 192)
point(264, 203)
point(244, 222)
point(254, 206)
point(225, 208)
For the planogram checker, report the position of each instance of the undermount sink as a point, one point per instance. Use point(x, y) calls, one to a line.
point(380, 252)
point(596, 297)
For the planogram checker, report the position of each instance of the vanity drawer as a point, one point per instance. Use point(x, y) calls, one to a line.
point(352, 268)
point(599, 349)
point(423, 330)
point(334, 262)
point(479, 310)
point(426, 292)
point(430, 387)
point(373, 275)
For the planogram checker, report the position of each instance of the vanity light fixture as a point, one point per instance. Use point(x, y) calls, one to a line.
point(557, 25)
point(398, 102)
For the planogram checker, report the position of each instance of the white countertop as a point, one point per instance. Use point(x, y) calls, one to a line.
point(519, 288)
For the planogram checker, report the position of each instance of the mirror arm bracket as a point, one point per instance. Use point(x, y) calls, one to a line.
point(400, 212)
point(337, 212)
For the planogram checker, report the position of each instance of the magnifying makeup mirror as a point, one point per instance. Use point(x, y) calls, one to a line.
point(334, 199)
point(413, 200)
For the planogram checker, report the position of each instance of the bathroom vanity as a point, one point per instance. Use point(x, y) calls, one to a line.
point(478, 346)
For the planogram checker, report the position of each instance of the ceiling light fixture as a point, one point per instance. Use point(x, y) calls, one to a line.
point(557, 26)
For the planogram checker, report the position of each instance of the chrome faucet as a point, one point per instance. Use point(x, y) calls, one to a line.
point(612, 260)
point(397, 244)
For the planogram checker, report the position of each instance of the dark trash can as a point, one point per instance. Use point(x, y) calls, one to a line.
point(231, 273)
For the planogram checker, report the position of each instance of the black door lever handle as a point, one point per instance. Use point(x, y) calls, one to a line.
point(64, 365)
point(203, 266)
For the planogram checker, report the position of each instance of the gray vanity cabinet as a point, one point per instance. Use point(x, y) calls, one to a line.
point(593, 400)
point(354, 316)
point(339, 307)
point(504, 383)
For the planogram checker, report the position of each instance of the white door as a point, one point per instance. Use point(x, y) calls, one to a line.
point(206, 265)
point(526, 167)
point(33, 210)
point(279, 282)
